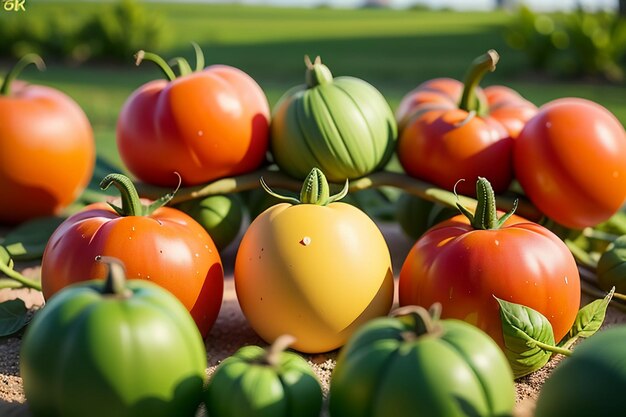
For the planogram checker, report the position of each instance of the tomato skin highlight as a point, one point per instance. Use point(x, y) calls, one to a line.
point(570, 159)
point(47, 152)
point(463, 269)
point(168, 248)
point(206, 125)
point(315, 272)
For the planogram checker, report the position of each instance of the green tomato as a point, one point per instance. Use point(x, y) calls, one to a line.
point(220, 215)
point(611, 271)
point(591, 382)
point(413, 366)
point(259, 383)
point(342, 126)
point(113, 348)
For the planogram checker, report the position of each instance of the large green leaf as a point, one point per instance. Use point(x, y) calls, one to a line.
point(588, 320)
point(28, 240)
point(525, 331)
point(13, 317)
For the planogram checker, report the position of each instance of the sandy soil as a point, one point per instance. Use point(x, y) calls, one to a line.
point(231, 331)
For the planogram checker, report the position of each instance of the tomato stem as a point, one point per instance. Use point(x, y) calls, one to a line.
point(423, 321)
point(26, 60)
point(476, 72)
point(486, 216)
point(199, 56)
point(115, 281)
point(131, 204)
point(183, 65)
point(315, 190)
point(142, 55)
point(316, 72)
point(272, 354)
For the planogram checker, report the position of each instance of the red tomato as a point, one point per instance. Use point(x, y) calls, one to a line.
point(463, 268)
point(442, 93)
point(444, 146)
point(166, 247)
point(570, 159)
point(47, 150)
point(451, 131)
point(204, 125)
point(509, 108)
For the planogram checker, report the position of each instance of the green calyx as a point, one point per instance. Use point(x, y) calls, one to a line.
point(165, 67)
point(421, 322)
point(131, 204)
point(481, 65)
point(316, 72)
point(486, 216)
point(5, 85)
point(315, 190)
point(115, 281)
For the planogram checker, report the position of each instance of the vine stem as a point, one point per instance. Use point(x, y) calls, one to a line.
point(553, 349)
point(381, 178)
point(19, 278)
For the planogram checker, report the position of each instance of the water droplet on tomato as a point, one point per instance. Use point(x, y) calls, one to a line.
point(306, 241)
point(566, 282)
point(200, 133)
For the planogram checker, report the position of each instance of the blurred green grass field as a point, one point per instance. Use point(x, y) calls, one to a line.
point(394, 50)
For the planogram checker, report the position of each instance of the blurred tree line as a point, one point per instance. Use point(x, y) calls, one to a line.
point(114, 34)
point(573, 44)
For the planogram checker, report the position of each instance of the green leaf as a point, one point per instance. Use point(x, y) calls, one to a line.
point(29, 239)
point(13, 317)
point(525, 332)
point(588, 320)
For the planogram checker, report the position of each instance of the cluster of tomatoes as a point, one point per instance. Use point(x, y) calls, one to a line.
point(312, 266)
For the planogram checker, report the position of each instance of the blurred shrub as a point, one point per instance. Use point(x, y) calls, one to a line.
point(571, 44)
point(116, 33)
point(122, 31)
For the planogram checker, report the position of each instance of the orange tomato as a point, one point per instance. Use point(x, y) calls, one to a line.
point(165, 246)
point(205, 125)
point(47, 150)
point(570, 159)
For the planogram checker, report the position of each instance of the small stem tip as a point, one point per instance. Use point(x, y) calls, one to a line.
point(5, 87)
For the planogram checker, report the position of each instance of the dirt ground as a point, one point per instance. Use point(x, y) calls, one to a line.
point(231, 331)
